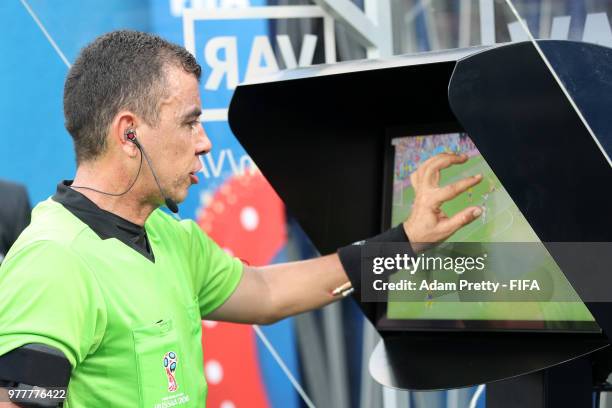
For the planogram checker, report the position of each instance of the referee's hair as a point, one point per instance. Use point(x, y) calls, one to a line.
point(119, 70)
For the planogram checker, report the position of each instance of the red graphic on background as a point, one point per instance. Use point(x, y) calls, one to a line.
point(246, 218)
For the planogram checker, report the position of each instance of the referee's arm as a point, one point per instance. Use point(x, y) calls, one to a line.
point(268, 294)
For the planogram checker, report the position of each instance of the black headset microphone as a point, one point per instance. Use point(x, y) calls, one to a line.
point(130, 135)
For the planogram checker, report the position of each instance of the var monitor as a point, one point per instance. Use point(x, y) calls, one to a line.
point(501, 222)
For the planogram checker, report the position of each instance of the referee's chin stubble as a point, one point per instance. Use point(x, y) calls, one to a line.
point(180, 189)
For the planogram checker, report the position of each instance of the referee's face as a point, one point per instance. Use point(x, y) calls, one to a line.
point(179, 138)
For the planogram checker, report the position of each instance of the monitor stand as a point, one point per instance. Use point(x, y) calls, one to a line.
point(426, 361)
point(578, 364)
point(567, 385)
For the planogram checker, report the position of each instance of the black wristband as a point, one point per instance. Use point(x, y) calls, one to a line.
point(395, 234)
point(350, 257)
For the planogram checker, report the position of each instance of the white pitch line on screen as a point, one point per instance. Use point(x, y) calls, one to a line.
point(506, 227)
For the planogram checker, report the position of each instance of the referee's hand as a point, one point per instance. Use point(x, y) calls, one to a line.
point(427, 223)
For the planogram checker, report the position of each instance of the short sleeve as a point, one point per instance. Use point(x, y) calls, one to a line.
point(216, 273)
point(48, 296)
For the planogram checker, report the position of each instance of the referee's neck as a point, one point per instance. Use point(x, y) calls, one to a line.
point(134, 205)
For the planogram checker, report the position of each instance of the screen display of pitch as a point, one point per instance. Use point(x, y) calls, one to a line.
point(501, 221)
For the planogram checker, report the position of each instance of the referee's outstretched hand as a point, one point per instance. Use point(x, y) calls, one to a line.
point(427, 223)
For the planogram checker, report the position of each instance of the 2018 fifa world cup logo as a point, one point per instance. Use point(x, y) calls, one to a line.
point(170, 361)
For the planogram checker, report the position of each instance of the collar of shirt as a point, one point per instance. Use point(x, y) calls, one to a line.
point(105, 224)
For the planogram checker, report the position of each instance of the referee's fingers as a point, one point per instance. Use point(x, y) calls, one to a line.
point(453, 190)
point(460, 219)
point(432, 167)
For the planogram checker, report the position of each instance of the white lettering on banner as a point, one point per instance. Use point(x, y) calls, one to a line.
point(220, 68)
point(235, 3)
point(177, 6)
point(286, 50)
point(247, 162)
point(261, 49)
point(308, 49)
point(261, 58)
point(306, 54)
point(214, 168)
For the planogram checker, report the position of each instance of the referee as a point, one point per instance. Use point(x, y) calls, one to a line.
point(118, 288)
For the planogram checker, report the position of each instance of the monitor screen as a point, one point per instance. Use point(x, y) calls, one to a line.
point(501, 221)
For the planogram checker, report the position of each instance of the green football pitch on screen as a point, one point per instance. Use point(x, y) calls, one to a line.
point(501, 221)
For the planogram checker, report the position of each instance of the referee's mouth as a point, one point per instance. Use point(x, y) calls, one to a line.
point(193, 174)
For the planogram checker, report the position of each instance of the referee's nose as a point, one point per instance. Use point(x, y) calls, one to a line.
point(203, 144)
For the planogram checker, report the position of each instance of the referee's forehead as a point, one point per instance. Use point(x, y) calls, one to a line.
point(182, 94)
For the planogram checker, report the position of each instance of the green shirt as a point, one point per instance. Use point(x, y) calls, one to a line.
point(121, 319)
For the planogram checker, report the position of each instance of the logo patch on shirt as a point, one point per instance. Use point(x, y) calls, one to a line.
point(170, 361)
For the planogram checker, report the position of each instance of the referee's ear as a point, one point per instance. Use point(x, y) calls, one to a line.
point(123, 124)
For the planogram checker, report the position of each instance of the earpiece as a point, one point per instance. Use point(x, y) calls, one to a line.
point(130, 134)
